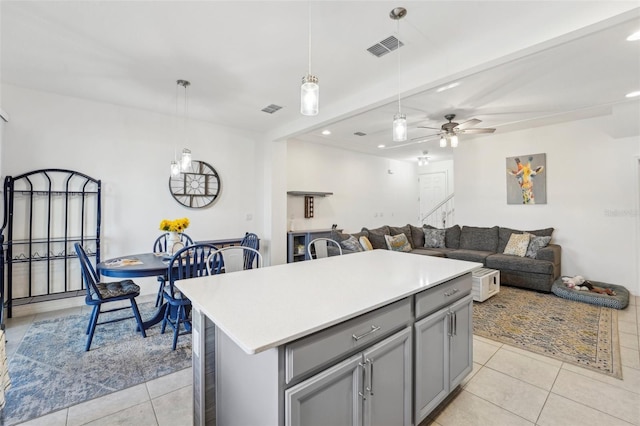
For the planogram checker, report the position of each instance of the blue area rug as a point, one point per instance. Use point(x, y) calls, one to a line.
point(51, 371)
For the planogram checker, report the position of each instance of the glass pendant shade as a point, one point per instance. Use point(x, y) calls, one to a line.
point(309, 95)
point(399, 127)
point(175, 168)
point(443, 142)
point(454, 141)
point(185, 161)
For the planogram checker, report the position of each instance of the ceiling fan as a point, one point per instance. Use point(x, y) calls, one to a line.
point(449, 131)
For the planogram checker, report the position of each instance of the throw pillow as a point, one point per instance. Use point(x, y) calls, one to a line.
point(398, 242)
point(535, 244)
point(518, 244)
point(352, 244)
point(376, 236)
point(434, 238)
point(365, 243)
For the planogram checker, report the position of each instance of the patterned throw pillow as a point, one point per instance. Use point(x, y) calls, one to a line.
point(398, 242)
point(535, 244)
point(365, 243)
point(434, 238)
point(352, 244)
point(518, 244)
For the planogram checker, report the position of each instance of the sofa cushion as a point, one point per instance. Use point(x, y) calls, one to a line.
point(451, 236)
point(477, 238)
point(339, 236)
point(395, 230)
point(398, 242)
point(434, 238)
point(518, 244)
point(376, 236)
point(351, 243)
point(470, 255)
point(417, 236)
point(427, 252)
point(535, 244)
point(523, 264)
point(505, 233)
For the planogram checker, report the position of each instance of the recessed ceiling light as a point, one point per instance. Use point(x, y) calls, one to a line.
point(326, 132)
point(633, 94)
point(381, 146)
point(448, 86)
point(635, 36)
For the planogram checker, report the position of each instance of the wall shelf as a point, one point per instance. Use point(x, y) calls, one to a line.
point(309, 193)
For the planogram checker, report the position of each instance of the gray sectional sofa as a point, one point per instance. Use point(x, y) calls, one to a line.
point(478, 244)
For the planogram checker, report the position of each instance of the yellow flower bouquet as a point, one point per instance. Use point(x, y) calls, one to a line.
point(175, 225)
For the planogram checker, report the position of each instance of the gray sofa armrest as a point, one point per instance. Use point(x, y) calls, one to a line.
point(553, 254)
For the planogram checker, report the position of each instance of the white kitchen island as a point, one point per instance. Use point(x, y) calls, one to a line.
point(366, 338)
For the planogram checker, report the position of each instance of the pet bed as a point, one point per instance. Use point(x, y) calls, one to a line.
point(619, 301)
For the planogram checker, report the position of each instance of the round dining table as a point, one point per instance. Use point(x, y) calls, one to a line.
point(137, 266)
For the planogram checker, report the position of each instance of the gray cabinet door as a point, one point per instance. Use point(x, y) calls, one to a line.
point(432, 362)
point(328, 398)
point(388, 381)
point(461, 343)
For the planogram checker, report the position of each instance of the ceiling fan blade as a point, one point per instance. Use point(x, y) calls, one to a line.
point(425, 137)
point(468, 123)
point(472, 131)
point(426, 127)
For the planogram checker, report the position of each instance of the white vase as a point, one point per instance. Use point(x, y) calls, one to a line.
point(174, 243)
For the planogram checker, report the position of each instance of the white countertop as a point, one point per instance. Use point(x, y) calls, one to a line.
point(264, 308)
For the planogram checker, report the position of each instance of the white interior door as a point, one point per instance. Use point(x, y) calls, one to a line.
point(433, 190)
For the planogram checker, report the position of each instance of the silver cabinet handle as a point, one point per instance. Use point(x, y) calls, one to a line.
point(455, 323)
point(450, 325)
point(452, 292)
point(370, 361)
point(374, 328)
point(364, 379)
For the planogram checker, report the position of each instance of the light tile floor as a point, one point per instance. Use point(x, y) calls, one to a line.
point(508, 386)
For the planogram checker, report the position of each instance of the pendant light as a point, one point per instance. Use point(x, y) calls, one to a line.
point(310, 90)
point(443, 141)
point(399, 119)
point(184, 164)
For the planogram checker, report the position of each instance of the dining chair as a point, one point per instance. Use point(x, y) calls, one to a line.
point(233, 259)
point(99, 293)
point(188, 262)
point(160, 246)
point(320, 248)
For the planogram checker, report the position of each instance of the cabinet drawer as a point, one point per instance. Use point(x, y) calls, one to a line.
point(444, 294)
point(326, 346)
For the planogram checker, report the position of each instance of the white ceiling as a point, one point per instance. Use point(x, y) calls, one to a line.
point(519, 63)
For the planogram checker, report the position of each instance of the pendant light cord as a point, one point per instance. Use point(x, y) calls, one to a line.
point(309, 30)
point(398, 49)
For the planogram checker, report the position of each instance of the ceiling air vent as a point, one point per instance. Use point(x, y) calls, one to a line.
point(385, 46)
point(271, 108)
point(360, 134)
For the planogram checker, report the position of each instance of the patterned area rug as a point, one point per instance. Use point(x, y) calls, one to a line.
point(573, 332)
point(51, 371)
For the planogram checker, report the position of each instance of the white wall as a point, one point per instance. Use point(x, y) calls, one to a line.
point(365, 194)
point(592, 192)
point(130, 151)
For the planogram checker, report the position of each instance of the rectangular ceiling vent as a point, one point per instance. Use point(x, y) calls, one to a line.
point(387, 45)
point(360, 134)
point(271, 108)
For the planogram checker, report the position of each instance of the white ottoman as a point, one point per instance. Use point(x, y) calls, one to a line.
point(486, 283)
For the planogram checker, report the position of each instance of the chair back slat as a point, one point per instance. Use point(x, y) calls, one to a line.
point(89, 274)
point(250, 240)
point(233, 259)
point(160, 245)
point(319, 248)
point(189, 262)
